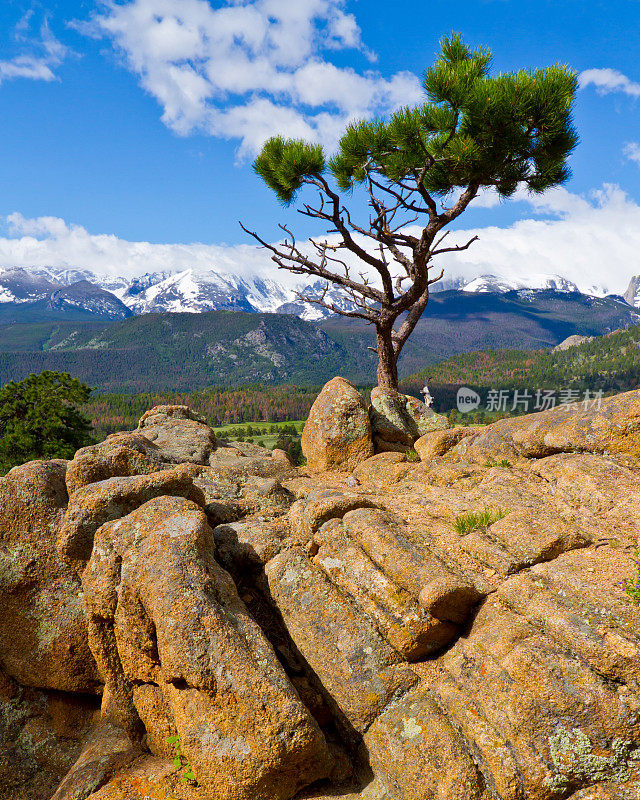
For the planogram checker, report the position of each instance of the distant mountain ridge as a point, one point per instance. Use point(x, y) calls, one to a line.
point(31, 296)
point(158, 292)
point(81, 294)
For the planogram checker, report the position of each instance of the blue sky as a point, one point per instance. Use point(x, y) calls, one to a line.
point(136, 121)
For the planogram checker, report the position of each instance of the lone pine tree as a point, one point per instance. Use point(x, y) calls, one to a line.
point(423, 165)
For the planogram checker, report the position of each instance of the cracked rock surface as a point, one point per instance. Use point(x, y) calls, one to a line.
point(325, 634)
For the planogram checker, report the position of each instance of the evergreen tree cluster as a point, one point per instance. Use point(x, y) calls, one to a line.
point(40, 418)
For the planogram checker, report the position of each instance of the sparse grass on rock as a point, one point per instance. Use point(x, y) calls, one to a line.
point(490, 462)
point(476, 520)
point(633, 585)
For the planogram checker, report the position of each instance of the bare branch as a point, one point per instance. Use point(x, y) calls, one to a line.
point(455, 249)
point(330, 307)
point(296, 262)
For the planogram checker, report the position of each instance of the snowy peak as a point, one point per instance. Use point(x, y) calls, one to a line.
point(632, 295)
point(193, 291)
point(59, 292)
point(493, 283)
point(87, 296)
point(19, 286)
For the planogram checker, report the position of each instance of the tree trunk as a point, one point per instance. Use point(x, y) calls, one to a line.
point(387, 358)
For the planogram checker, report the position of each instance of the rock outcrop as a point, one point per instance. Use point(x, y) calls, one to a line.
point(178, 433)
point(341, 432)
point(337, 434)
point(181, 656)
point(397, 420)
point(611, 426)
point(306, 634)
point(43, 638)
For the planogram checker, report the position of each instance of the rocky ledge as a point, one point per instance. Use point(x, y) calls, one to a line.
point(187, 620)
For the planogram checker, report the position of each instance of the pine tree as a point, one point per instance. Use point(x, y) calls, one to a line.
point(39, 418)
point(426, 163)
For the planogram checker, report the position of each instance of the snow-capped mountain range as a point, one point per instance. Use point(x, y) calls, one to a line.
point(160, 292)
point(194, 291)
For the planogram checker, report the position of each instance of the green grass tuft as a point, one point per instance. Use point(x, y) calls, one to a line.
point(476, 520)
point(490, 462)
point(632, 587)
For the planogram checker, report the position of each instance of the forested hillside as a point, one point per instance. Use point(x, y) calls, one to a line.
point(188, 352)
point(610, 363)
point(178, 352)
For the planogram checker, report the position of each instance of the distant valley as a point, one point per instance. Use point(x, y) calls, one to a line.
point(189, 351)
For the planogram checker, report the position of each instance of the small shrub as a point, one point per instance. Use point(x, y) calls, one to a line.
point(412, 454)
point(179, 761)
point(633, 585)
point(476, 520)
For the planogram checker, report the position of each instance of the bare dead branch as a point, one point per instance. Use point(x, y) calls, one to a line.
point(455, 249)
point(296, 262)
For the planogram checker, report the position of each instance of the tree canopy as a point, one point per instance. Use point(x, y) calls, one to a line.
point(424, 163)
point(39, 418)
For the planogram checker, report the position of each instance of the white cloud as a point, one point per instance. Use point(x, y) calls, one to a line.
point(608, 80)
point(250, 69)
point(632, 152)
point(593, 241)
point(52, 242)
point(42, 53)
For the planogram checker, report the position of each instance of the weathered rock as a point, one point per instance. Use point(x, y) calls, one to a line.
point(436, 443)
point(41, 735)
point(249, 543)
point(250, 449)
point(592, 483)
point(147, 778)
point(43, 638)
point(571, 341)
point(383, 469)
point(219, 496)
point(279, 455)
point(337, 434)
point(398, 420)
point(531, 537)
point(414, 745)
point(319, 506)
point(360, 672)
point(179, 433)
point(408, 628)
point(113, 498)
point(265, 495)
point(164, 614)
point(481, 547)
point(564, 597)
point(539, 721)
point(448, 597)
point(119, 455)
point(524, 647)
point(613, 428)
point(106, 750)
point(230, 464)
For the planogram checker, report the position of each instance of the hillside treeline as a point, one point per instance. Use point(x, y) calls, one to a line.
point(610, 363)
point(117, 412)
